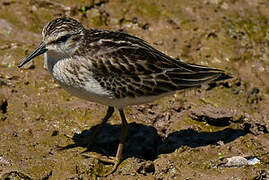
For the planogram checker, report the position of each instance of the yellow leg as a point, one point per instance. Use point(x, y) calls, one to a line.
point(124, 130)
point(116, 161)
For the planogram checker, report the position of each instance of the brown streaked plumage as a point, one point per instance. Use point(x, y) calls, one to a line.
point(114, 68)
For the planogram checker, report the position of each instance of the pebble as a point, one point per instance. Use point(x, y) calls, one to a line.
point(239, 161)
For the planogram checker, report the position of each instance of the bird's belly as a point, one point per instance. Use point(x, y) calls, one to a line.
point(89, 89)
point(107, 98)
point(89, 94)
point(128, 101)
point(111, 100)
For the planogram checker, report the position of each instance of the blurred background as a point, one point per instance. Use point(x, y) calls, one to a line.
point(188, 135)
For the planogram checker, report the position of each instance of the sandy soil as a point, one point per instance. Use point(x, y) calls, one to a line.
point(188, 135)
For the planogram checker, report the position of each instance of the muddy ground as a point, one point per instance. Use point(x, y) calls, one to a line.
point(188, 135)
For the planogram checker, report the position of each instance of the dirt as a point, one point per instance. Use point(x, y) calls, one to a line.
point(187, 135)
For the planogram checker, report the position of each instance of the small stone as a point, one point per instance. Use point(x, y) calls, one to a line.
point(236, 161)
point(253, 161)
point(239, 161)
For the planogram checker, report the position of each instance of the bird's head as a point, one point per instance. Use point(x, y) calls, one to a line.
point(60, 36)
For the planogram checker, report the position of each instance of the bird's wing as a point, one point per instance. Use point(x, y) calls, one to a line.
point(130, 67)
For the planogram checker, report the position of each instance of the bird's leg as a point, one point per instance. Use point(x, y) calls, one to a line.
point(116, 161)
point(124, 130)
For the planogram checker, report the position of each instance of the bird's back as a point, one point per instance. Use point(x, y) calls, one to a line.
point(129, 67)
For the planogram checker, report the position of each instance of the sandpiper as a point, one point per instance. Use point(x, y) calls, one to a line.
point(114, 68)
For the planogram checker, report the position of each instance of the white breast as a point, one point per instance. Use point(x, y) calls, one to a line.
point(90, 89)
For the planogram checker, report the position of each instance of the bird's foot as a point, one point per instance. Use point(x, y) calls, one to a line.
point(106, 160)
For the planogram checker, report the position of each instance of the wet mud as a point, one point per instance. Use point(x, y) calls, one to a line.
point(188, 135)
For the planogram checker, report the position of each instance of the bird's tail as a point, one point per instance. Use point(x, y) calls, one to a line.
point(196, 75)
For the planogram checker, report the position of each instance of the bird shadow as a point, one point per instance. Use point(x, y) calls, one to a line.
point(145, 143)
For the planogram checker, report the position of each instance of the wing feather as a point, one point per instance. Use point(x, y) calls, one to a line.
point(130, 67)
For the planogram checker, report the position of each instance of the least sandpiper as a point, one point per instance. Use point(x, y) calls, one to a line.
point(113, 68)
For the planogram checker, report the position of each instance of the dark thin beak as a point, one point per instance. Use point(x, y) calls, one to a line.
point(40, 50)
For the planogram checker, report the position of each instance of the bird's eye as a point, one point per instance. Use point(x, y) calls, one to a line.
point(63, 38)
